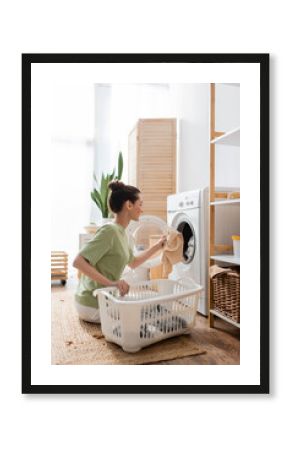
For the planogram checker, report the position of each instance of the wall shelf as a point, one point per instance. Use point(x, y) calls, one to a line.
point(232, 84)
point(221, 316)
point(230, 138)
point(225, 202)
point(231, 259)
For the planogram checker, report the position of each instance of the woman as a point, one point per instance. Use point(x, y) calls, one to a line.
point(103, 259)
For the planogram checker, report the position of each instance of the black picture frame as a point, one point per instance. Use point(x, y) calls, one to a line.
point(263, 61)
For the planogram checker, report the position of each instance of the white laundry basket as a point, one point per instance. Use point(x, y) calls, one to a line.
point(151, 311)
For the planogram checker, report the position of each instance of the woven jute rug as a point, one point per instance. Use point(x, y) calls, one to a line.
point(77, 342)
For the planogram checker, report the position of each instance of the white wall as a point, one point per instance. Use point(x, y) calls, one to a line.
point(71, 165)
point(227, 118)
point(103, 129)
point(191, 106)
point(131, 102)
point(103, 142)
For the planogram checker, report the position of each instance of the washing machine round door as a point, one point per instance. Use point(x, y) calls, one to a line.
point(140, 233)
point(182, 223)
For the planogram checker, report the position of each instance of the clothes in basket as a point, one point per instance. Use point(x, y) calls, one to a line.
point(163, 326)
point(148, 330)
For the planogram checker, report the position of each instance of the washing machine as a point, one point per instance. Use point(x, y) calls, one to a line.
point(187, 213)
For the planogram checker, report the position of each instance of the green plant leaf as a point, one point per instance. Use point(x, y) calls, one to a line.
point(103, 187)
point(96, 198)
point(99, 198)
point(120, 166)
point(112, 175)
point(104, 194)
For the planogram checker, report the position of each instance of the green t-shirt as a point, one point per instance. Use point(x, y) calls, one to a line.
point(109, 253)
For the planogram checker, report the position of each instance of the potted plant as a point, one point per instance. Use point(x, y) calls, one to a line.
point(100, 195)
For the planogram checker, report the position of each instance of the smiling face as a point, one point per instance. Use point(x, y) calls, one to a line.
point(135, 209)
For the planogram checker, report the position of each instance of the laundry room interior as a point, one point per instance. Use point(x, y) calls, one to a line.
point(179, 145)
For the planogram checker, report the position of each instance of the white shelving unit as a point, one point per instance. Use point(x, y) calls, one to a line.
point(229, 138)
point(232, 84)
point(227, 319)
point(225, 202)
point(225, 258)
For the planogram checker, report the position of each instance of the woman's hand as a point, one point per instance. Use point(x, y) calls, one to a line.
point(123, 287)
point(141, 258)
point(160, 244)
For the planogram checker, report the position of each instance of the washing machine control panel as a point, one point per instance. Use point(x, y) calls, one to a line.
point(183, 201)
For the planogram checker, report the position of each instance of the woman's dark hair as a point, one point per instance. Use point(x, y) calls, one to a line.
point(120, 193)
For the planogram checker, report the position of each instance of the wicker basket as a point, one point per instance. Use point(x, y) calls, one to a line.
point(226, 294)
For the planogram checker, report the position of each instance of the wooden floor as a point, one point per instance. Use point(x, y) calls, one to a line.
point(222, 343)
